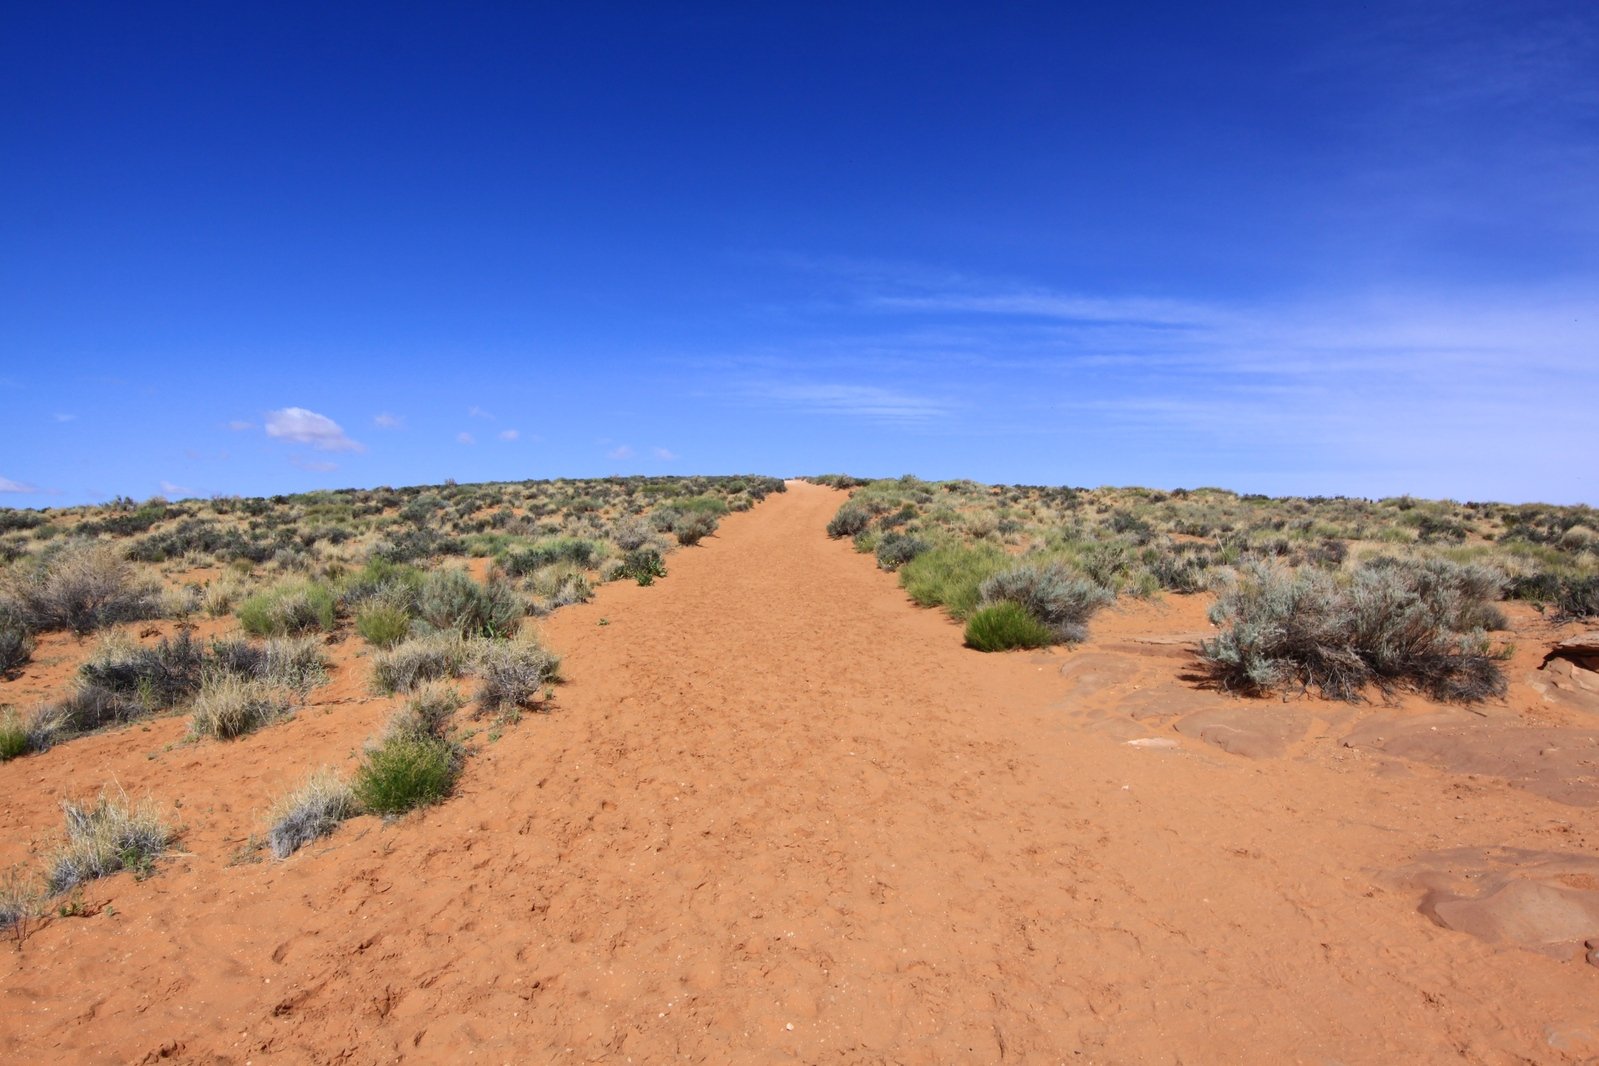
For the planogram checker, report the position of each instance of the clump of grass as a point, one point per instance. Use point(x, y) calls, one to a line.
point(296, 607)
point(14, 738)
point(110, 836)
point(82, 588)
point(309, 813)
point(1055, 597)
point(427, 714)
point(949, 576)
point(1005, 625)
point(288, 662)
point(19, 898)
point(1393, 625)
point(451, 600)
point(383, 625)
point(229, 707)
point(425, 658)
point(511, 673)
point(406, 772)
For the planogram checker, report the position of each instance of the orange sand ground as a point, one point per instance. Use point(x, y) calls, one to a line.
point(780, 814)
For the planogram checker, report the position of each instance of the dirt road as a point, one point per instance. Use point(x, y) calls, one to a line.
point(779, 814)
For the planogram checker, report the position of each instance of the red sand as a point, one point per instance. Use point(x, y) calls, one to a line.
point(779, 814)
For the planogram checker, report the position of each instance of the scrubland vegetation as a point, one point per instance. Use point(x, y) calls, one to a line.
point(1337, 594)
point(287, 576)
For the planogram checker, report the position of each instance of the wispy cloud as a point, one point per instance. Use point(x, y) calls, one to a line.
point(60, 416)
point(465, 438)
point(301, 426)
point(7, 485)
point(868, 402)
point(172, 488)
point(239, 425)
point(509, 434)
point(621, 451)
point(666, 455)
point(478, 412)
point(388, 421)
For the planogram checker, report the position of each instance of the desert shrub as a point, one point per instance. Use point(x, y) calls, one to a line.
point(112, 835)
point(451, 600)
point(850, 519)
point(643, 565)
point(511, 673)
point(309, 813)
point(427, 713)
point(383, 625)
point(287, 662)
point(896, 549)
point(425, 658)
point(404, 773)
point(19, 898)
point(81, 588)
point(16, 648)
point(297, 607)
point(1005, 625)
point(229, 707)
point(380, 581)
point(694, 527)
point(632, 533)
point(949, 575)
point(1057, 598)
point(551, 551)
point(1186, 573)
point(14, 739)
point(1391, 625)
point(1578, 597)
point(88, 708)
point(152, 676)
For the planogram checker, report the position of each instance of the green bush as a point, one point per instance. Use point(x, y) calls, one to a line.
point(1054, 596)
point(299, 607)
point(1006, 625)
point(694, 527)
point(14, 739)
point(949, 575)
point(895, 549)
point(383, 625)
point(427, 714)
point(643, 565)
point(548, 552)
point(404, 773)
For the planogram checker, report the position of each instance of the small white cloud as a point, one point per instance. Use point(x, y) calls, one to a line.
point(307, 427)
point(59, 417)
point(478, 412)
point(239, 425)
point(465, 438)
point(7, 485)
point(665, 454)
point(621, 451)
point(509, 434)
point(316, 466)
point(170, 489)
point(388, 421)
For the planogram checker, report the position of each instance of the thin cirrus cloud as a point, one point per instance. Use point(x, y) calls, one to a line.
point(868, 402)
point(300, 426)
point(621, 451)
point(239, 425)
point(666, 455)
point(465, 438)
point(478, 412)
point(7, 485)
point(385, 420)
point(509, 434)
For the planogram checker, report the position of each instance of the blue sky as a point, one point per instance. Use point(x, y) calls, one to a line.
point(267, 248)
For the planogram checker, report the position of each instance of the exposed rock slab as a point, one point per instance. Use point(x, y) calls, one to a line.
point(1254, 730)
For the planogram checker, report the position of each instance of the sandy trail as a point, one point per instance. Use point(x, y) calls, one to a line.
point(779, 814)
